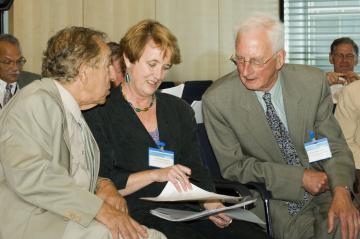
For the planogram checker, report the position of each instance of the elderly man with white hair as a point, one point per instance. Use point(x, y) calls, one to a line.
point(272, 123)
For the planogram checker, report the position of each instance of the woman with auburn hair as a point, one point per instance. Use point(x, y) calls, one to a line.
point(138, 120)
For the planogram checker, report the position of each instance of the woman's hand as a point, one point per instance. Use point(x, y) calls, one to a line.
point(220, 219)
point(177, 175)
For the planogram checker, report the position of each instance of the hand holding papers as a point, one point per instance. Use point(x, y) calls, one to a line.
point(170, 194)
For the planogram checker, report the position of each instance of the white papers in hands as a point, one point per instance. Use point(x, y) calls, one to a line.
point(235, 211)
point(176, 90)
point(170, 194)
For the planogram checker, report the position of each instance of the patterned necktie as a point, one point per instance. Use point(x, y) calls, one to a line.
point(286, 146)
point(7, 95)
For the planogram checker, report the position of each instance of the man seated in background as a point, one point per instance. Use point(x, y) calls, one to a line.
point(49, 185)
point(115, 60)
point(348, 115)
point(11, 63)
point(258, 118)
point(344, 56)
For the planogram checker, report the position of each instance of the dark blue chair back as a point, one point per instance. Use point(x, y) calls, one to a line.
point(166, 84)
point(193, 90)
point(207, 153)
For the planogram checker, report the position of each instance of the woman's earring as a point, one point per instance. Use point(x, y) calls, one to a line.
point(127, 77)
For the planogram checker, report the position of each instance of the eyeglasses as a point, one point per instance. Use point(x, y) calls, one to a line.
point(347, 57)
point(255, 63)
point(7, 62)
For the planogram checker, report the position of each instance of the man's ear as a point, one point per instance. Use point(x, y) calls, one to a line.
point(331, 59)
point(83, 73)
point(280, 59)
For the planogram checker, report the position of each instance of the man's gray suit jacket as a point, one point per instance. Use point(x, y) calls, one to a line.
point(246, 149)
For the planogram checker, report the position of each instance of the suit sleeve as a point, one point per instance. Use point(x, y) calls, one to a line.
point(34, 163)
point(282, 180)
point(348, 115)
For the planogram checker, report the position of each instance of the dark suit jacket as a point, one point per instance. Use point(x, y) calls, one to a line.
point(124, 143)
point(27, 77)
point(24, 79)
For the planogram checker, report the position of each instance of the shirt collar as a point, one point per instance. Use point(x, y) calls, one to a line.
point(3, 86)
point(275, 90)
point(69, 102)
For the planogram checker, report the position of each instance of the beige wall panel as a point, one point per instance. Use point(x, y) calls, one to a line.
point(115, 16)
point(195, 24)
point(34, 21)
point(231, 12)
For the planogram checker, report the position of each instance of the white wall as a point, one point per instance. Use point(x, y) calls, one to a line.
point(204, 28)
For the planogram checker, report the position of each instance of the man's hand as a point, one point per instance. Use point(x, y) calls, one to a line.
point(351, 77)
point(336, 78)
point(220, 219)
point(315, 182)
point(119, 223)
point(342, 78)
point(106, 190)
point(343, 209)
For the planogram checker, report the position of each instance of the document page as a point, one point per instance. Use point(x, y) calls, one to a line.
point(170, 194)
point(235, 211)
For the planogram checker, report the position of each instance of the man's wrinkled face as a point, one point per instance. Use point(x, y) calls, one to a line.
point(256, 62)
point(11, 62)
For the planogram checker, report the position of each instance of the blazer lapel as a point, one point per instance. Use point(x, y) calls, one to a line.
point(294, 110)
point(258, 125)
point(164, 125)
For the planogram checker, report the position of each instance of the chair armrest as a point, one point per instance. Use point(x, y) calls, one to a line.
point(260, 187)
point(227, 185)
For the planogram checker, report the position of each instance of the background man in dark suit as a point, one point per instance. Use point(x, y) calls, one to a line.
point(258, 119)
point(11, 63)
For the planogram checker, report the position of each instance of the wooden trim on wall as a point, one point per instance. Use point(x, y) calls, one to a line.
point(11, 19)
point(281, 10)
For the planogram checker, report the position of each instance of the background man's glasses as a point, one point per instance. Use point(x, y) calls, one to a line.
point(7, 62)
point(347, 57)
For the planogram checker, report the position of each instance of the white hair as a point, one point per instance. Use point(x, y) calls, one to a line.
point(273, 27)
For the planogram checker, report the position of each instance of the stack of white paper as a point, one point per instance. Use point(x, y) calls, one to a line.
point(235, 211)
point(170, 194)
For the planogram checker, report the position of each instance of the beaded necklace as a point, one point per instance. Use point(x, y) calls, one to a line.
point(139, 109)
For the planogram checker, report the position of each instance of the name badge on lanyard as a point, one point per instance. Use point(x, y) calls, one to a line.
point(317, 149)
point(160, 158)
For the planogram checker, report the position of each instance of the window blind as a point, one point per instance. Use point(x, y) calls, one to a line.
point(311, 26)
